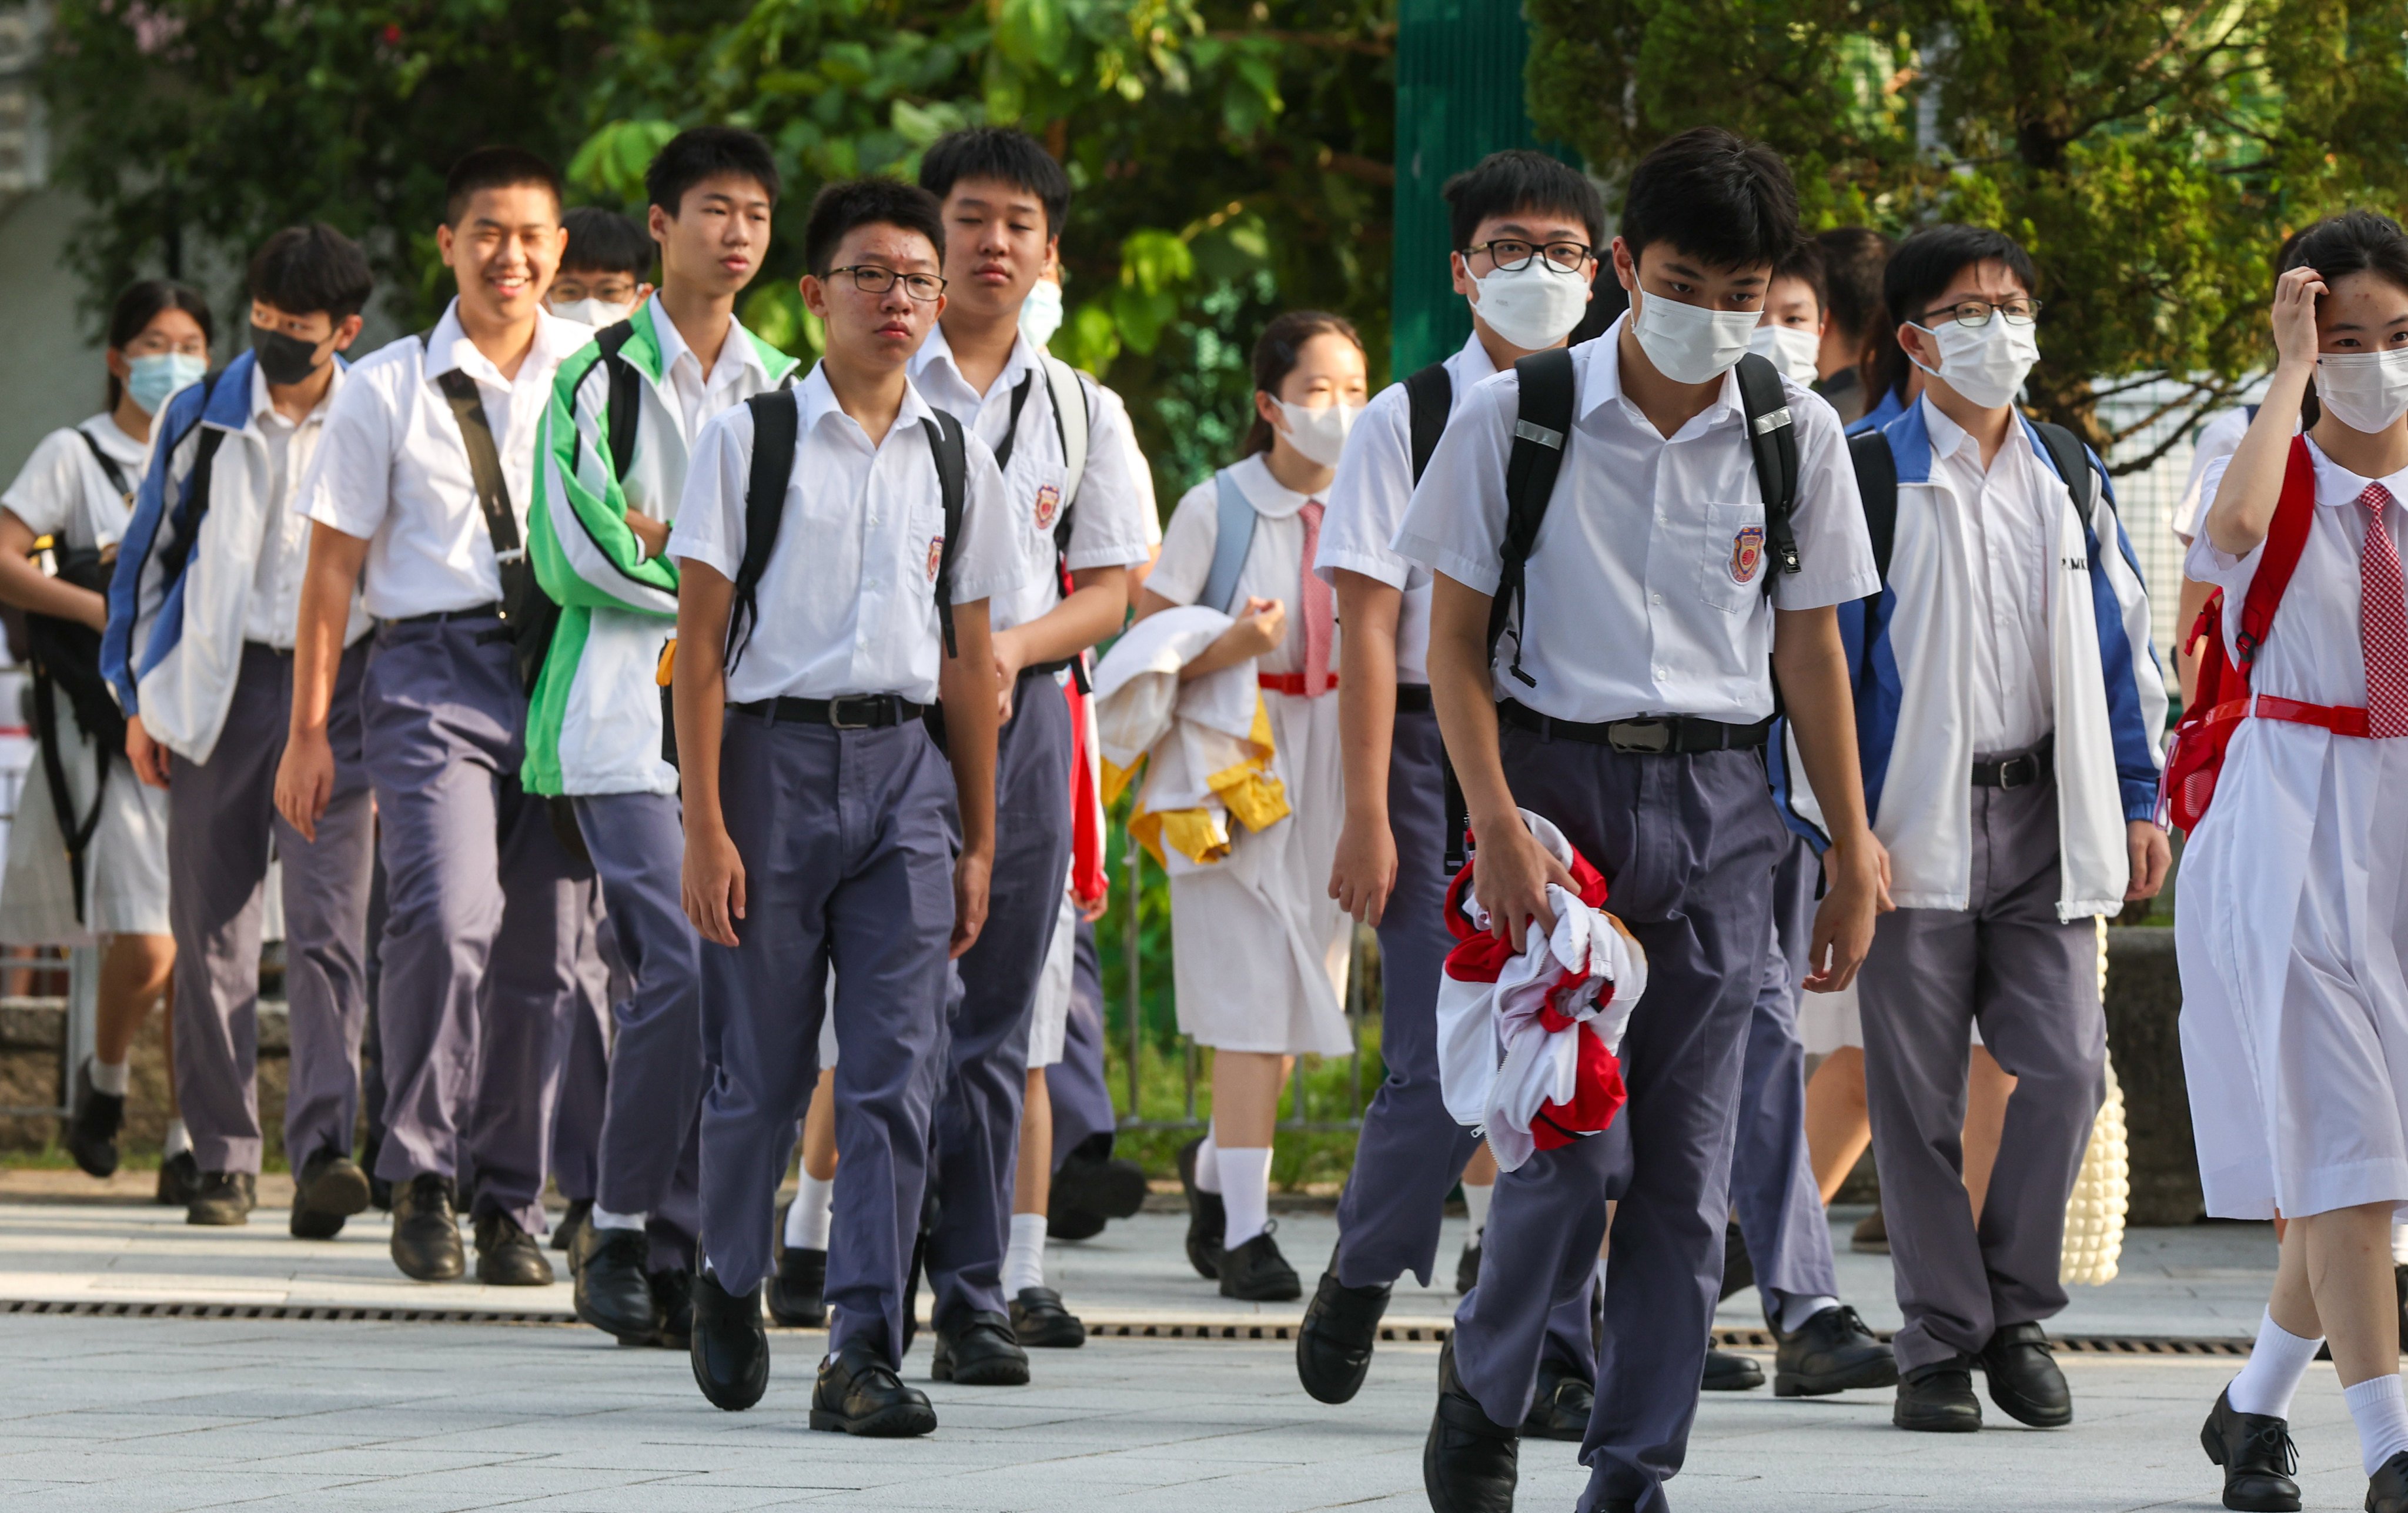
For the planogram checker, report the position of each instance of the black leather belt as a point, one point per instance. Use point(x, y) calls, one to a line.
point(2018, 772)
point(483, 612)
point(854, 712)
point(1664, 735)
point(1413, 698)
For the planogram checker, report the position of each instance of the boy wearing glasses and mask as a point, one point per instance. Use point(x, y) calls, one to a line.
point(837, 546)
point(2012, 770)
point(203, 612)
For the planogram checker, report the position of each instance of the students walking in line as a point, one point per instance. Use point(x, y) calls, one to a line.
point(88, 853)
point(199, 650)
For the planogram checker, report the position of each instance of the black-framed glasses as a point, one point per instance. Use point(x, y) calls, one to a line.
point(2020, 311)
point(1511, 255)
point(872, 280)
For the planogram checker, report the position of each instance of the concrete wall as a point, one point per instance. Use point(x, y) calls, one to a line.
point(52, 375)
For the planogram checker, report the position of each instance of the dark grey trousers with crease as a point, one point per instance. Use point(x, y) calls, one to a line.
point(585, 1070)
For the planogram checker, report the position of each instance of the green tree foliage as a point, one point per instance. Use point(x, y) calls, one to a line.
point(2152, 157)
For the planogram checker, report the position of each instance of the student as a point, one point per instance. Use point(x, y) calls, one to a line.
point(1524, 227)
point(601, 278)
point(77, 489)
point(1796, 318)
point(1004, 200)
point(199, 650)
point(2288, 929)
point(1853, 331)
point(415, 495)
point(624, 415)
point(821, 827)
point(1887, 373)
point(1657, 537)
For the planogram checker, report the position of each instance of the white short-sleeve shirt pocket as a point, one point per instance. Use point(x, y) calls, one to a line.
point(1732, 557)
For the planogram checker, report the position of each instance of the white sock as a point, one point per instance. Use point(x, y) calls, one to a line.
point(1793, 1312)
point(602, 1218)
point(1207, 1165)
point(1245, 1193)
point(1476, 1200)
point(2277, 1363)
point(179, 1140)
point(1024, 1257)
point(2382, 1416)
point(110, 1078)
point(807, 1221)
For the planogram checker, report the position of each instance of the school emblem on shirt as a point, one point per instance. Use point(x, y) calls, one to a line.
point(936, 556)
point(1747, 550)
point(1049, 504)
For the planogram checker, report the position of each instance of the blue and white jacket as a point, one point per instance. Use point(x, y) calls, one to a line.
point(173, 643)
point(1910, 656)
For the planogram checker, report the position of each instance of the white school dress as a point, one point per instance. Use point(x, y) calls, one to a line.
point(1259, 949)
point(63, 492)
point(2291, 921)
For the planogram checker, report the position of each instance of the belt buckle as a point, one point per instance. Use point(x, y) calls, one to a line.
point(836, 711)
point(1647, 737)
point(2019, 772)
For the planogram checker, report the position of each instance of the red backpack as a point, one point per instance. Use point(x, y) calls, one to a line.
point(2220, 700)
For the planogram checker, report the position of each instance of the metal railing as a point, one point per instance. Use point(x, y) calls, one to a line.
point(82, 1007)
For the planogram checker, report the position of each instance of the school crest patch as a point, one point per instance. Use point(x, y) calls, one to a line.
point(1049, 504)
point(936, 556)
point(1747, 554)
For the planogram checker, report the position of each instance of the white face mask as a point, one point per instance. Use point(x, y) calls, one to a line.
point(1689, 343)
point(1533, 307)
point(596, 313)
point(1794, 350)
point(1040, 313)
point(1319, 433)
point(1984, 363)
point(2366, 391)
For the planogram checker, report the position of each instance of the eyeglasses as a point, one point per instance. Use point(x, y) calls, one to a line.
point(2018, 312)
point(1511, 255)
point(872, 280)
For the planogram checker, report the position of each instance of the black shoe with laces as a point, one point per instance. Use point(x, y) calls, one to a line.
point(1560, 1408)
point(1342, 1326)
point(1831, 1353)
point(225, 1197)
point(978, 1349)
point(2259, 1460)
point(179, 1181)
point(1727, 1371)
point(1255, 1272)
point(329, 1188)
point(613, 1293)
point(1938, 1398)
point(427, 1229)
point(798, 1288)
point(729, 1348)
point(1470, 1461)
point(859, 1393)
point(1040, 1322)
point(90, 1131)
point(1208, 1219)
point(2025, 1381)
point(1467, 1267)
point(506, 1255)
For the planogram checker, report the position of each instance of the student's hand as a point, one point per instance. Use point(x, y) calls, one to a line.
point(1010, 656)
point(1510, 879)
point(2152, 854)
point(2295, 320)
point(1093, 909)
point(1856, 877)
point(713, 883)
point(1261, 629)
point(654, 534)
point(970, 874)
point(1365, 870)
point(304, 780)
point(149, 758)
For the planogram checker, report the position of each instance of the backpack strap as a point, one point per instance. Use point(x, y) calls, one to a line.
point(2286, 538)
point(945, 444)
point(1876, 469)
point(1011, 421)
point(777, 425)
point(115, 474)
point(1540, 432)
point(1429, 400)
point(1773, 436)
point(1233, 537)
point(195, 501)
point(625, 407)
point(2072, 461)
point(1072, 427)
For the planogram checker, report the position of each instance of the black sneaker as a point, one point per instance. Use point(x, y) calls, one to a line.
point(1831, 1353)
point(1255, 1272)
point(2259, 1460)
point(226, 1198)
point(1207, 1220)
point(859, 1393)
point(508, 1255)
point(330, 1188)
point(1467, 1267)
point(798, 1288)
point(1040, 1322)
point(179, 1181)
point(427, 1229)
point(1560, 1408)
point(613, 1291)
point(90, 1130)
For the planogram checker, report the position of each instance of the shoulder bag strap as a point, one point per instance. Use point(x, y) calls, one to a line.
point(1233, 537)
point(777, 423)
point(492, 487)
point(109, 466)
point(2286, 538)
point(1542, 429)
point(952, 456)
point(1429, 400)
point(2072, 461)
point(1011, 421)
point(1773, 436)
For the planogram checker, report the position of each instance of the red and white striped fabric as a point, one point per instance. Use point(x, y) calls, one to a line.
point(1527, 1040)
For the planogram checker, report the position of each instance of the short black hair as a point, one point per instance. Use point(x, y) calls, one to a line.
point(1806, 262)
point(311, 268)
point(2354, 241)
point(703, 152)
point(1519, 179)
point(1853, 260)
point(605, 242)
point(1921, 269)
point(1003, 153)
point(495, 168)
point(846, 203)
point(1716, 195)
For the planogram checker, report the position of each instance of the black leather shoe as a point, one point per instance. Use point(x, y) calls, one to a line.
point(1560, 1408)
point(1831, 1353)
point(329, 1190)
point(90, 1133)
point(564, 1235)
point(1467, 1267)
point(613, 1293)
point(798, 1291)
point(2257, 1457)
point(858, 1393)
point(2387, 1490)
point(978, 1350)
point(2025, 1381)
point(729, 1348)
point(1341, 1326)
point(1091, 1188)
point(1255, 1272)
point(179, 1181)
point(1938, 1399)
point(426, 1230)
point(1727, 1371)
point(673, 1295)
point(225, 1198)
point(1470, 1461)
point(508, 1255)
point(1208, 1221)
point(1739, 1271)
point(1040, 1322)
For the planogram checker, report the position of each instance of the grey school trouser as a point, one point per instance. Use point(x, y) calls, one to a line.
point(484, 909)
point(1082, 1105)
point(977, 1135)
point(651, 1132)
point(847, 839)
point(2032, 983)
point(1687, 844)
point(1779, 1207)
point(222, 821)
point(585, 1070)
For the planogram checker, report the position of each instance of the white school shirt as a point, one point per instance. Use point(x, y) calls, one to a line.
point(1108, 527)
point(2217, 439)
point(392, 469)
point(1368, 499)
point(698, 398)
point(1635, 605)
point(274, 613)
point(1274, 566)
point(63, 492)
point(847, 599)
point(2010, 511)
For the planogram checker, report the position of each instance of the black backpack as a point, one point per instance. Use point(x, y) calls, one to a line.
point(1876, 469)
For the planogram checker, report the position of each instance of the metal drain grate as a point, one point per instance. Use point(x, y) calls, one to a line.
point(1759, 1339)
point(98, 1309)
